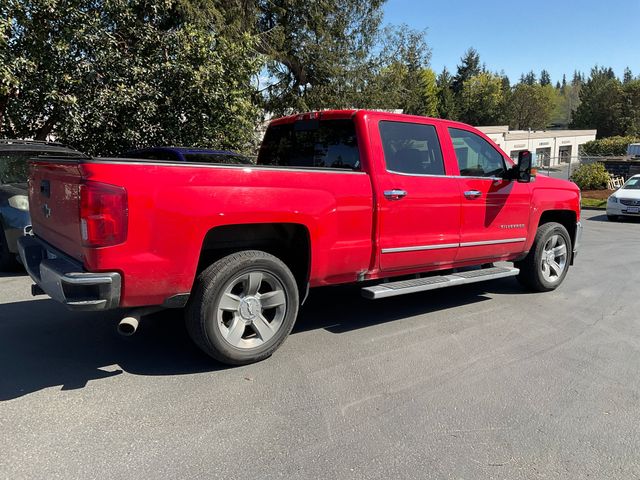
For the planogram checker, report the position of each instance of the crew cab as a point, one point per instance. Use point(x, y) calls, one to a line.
point(397, 203)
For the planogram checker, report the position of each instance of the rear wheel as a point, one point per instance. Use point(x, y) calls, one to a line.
point(547, 263)
point(243, 307)
point(8, 261)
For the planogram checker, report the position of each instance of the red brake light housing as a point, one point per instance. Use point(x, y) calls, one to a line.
point(104, 214)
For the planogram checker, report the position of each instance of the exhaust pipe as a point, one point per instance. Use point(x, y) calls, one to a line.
point(129, 324)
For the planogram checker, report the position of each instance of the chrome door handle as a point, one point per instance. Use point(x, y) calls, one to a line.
point(395, 194)
point(472, 194)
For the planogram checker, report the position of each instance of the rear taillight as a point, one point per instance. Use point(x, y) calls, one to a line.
point(104, 214)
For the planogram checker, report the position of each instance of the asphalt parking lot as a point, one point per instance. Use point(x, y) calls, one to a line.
point(479, 381)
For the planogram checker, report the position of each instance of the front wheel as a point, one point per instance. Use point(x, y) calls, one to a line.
point(243, 307)
point(547, 263)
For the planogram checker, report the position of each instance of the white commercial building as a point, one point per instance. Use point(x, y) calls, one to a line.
point(552, 147)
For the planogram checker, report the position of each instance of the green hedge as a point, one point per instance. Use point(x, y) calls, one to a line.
point(591, 176)
point(611, 146)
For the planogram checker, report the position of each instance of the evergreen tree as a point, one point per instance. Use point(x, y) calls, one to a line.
point(469, 66)
point(601, 104)
point(631, 107)
point(446, 97)
point(628, 76)
point(578, 78)
point(528, 78)
point(545, 78)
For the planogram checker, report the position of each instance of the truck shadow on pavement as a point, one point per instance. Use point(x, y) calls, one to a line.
point(8, 274)
point(341, 309)
point(42, 344)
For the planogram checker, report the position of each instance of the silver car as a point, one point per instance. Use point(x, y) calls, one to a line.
point(625, 202)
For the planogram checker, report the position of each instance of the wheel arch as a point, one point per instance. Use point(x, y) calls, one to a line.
point(290, 242)
point(566, 218)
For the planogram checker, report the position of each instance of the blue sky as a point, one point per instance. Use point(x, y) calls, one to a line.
point(520, 36)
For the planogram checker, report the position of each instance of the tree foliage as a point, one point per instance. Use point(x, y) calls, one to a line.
point(531, 106)
point(611, 146)
point(601, 104)
point(400, 77)
point(469, 67)
point(446, 97)
point(115, 74)
point(318, 53)
point(109, 75)
point(567, 101)
point(528, 78)
point(631, 107)
point(591, 176)
point(481, 101)
point(545, 78)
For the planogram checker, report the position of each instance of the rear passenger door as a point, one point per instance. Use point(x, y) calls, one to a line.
point(495, 211)
point(418, 205)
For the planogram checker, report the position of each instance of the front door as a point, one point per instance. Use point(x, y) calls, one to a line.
point(495, 211)
point(418, 205)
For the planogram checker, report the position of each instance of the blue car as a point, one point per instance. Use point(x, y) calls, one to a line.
point(185, 154)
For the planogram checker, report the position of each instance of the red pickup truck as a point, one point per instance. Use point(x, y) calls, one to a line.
point(335, 197)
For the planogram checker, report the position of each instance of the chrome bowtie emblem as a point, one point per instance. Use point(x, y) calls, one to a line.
point(46, 210)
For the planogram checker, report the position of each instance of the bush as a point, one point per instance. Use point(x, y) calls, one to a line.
point(611, 146)
point(591, 176)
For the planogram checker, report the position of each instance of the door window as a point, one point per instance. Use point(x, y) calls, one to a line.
point(411, 148)
point(476, 157)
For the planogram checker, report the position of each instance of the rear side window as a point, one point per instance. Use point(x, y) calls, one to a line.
point(476, 157)
point(411, 148)
point(313, 144)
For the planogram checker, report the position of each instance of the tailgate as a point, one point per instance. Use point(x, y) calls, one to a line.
point(54, 203)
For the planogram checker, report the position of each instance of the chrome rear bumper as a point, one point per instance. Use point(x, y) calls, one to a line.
point(65, 280)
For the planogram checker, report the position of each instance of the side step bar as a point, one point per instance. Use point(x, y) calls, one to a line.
point(402, 287)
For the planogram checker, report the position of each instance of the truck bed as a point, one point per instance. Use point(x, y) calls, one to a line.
point(173, 206)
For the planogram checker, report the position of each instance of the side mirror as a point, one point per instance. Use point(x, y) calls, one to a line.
point(525, 170)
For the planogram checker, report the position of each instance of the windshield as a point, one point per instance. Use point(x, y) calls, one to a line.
point(632, 184)
point(227, 158)
point(14, 167)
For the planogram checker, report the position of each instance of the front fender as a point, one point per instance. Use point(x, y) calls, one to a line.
point(552, 200)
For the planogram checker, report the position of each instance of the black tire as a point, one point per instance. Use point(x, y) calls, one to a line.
point(612, 218)
point(204, 313)
point(532, 267)
point(8, 260)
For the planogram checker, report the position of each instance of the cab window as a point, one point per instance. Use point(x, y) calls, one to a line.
point(476, 157)
point(311, 144)
point(411, 148)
